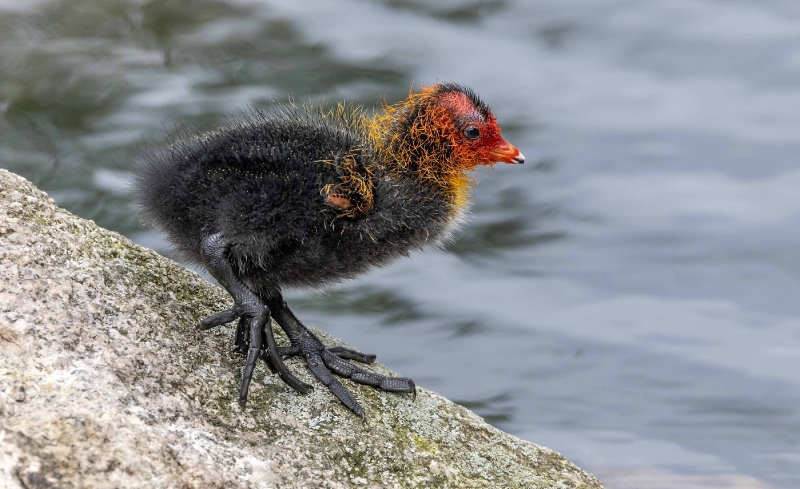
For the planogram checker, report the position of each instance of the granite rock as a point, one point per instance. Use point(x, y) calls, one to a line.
point(105, 381)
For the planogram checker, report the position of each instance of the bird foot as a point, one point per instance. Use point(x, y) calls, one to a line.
point(325, 361)
point(246, 331)
point(255, 339)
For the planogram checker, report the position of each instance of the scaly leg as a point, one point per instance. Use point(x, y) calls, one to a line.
point(322, 360)
point(253, 315)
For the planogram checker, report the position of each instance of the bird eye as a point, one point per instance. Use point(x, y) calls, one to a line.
point(472, 132)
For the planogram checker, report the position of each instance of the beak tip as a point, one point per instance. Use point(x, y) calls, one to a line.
point(507, 153)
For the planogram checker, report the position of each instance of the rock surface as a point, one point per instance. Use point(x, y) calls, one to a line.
point(105, 382)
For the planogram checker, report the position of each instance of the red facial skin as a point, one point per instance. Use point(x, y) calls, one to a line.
point(489, 147)
point(439, 142)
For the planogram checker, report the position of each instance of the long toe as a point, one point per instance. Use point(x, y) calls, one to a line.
point(361, 376)
point(321, 372)
point(218, 319)
point(351, 354)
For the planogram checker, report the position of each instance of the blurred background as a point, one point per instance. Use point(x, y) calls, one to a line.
point(628, 297)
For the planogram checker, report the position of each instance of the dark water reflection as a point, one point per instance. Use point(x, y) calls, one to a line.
point(627, 298)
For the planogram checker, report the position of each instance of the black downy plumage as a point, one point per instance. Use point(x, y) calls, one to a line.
point(295, 197)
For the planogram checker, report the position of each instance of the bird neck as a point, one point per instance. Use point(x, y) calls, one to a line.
point(411, 138)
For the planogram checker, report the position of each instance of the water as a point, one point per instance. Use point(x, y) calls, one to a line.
point(628, 297)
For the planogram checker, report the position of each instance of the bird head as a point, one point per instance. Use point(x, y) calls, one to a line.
point(467, 127)
point(442, 133)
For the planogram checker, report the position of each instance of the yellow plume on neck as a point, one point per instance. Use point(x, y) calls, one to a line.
point(414, 135)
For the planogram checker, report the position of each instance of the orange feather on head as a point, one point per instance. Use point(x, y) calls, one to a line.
point(441, 133)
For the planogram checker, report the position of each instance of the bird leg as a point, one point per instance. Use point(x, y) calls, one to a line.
point(254, 328)
point(322, 360)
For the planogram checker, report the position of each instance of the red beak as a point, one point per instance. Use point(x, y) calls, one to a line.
point(507, 153)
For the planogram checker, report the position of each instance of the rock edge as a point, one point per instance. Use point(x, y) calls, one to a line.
point(106, 382)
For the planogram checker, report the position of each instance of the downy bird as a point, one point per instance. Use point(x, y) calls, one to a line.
point(307, 197)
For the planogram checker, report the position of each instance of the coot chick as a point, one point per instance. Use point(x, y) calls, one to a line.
point(293, 197)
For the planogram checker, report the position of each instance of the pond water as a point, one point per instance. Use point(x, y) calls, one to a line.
point(628, 297)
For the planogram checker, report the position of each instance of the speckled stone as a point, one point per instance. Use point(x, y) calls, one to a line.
point(106, 382)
